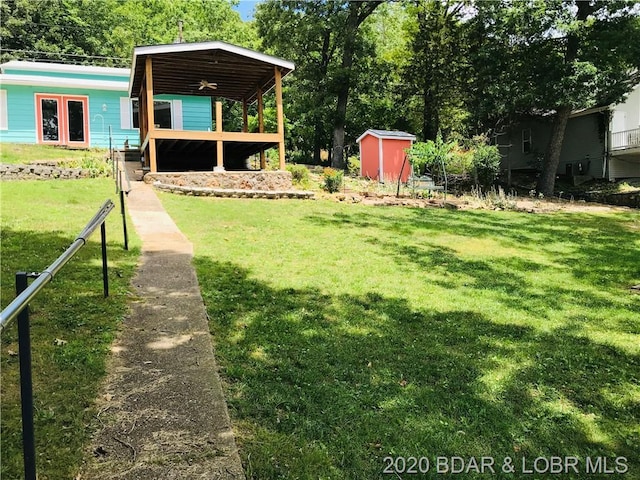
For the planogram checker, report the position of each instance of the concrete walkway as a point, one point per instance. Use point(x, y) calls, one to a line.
point(162, 411)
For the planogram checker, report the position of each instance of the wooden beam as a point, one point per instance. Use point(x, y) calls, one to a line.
point(218, 116)
point(166, 134)
point(153, 165)
point(263, 159)
point(151, 124)
point(219, 144)
point(280, 114)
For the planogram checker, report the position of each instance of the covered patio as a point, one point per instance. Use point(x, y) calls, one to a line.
point(213, 69)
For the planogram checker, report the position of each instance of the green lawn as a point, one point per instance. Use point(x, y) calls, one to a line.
point(23, 153)
point(347, 334)
point(39, 220)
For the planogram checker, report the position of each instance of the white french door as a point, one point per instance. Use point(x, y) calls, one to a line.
point(62, 119)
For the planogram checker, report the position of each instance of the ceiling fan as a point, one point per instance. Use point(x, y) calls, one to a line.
point(205, 84)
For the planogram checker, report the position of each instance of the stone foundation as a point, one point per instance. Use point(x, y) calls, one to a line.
point(40, 172)
point(266, 181)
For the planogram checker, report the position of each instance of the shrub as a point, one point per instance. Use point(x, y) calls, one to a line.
point(299, 174)
point(332, 179)
point(486, 163)
point(96, 167)
point(353, 166)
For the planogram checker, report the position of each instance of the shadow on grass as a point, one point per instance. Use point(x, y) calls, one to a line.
point(326, 386)
point(66, 373)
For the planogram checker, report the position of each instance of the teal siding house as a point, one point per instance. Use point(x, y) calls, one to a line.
point(75, 106)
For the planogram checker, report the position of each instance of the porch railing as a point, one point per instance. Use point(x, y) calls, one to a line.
point(625, 139)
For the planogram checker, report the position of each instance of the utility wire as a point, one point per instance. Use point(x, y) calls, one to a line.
point(60, 54)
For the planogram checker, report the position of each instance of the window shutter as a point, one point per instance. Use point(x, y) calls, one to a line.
point(125, 113)
point(177, 115)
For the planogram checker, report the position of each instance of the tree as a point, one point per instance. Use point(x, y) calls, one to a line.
point(303, 32)
point(324, 39)
point(436, 68)
point(356, 13)
point(104, 32)
point(553, 56)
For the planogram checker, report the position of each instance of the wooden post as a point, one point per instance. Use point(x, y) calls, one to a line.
point(280, 113)
point(142, 121)
point(245, 116)
point(151, 122)
point(263, 160)
point(219, 144)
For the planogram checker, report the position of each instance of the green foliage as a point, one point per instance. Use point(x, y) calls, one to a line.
point(353, 165)
point(104, 32)
point(486, 163)
point(332, 179)
point(299, 174)
point(532, 57)
point(436, 68)
point(18, 153)
point(431, 155)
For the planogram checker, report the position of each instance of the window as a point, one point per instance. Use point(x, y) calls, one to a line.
point(526, 140)
point(167, 113)
point(4, 115)
point(162, 113)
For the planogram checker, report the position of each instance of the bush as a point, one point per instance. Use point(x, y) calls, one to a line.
point(96, 167)
point(332, 179)
point(299, 174)
point(353, 166)
point(486, 163)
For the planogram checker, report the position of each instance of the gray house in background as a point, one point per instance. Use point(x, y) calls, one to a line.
point(601, 142)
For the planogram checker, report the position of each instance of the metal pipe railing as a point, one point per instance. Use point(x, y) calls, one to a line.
point(15, 307)
point(19, 308)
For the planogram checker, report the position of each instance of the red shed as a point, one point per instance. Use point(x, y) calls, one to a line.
point(383, 151)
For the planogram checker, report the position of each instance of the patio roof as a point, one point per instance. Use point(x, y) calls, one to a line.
point(180, 68)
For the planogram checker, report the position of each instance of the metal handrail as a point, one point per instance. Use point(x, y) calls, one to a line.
point(18, 304)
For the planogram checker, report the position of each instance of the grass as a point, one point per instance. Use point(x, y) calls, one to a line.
point(17, 153)
point(40, 219)
point(347, 334)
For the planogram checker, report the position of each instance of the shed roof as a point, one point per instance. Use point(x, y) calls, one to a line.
point(387, 134)
point(181, 67)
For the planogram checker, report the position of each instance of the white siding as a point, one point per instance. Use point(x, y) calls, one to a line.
point(620, 167)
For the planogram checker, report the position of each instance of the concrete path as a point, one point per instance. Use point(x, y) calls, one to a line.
point(162, 411)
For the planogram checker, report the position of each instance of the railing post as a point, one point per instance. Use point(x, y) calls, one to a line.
point(124, 221)
point(26, 386)
point(105, 276)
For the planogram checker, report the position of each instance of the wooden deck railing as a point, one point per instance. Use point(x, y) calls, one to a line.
point(625, 139)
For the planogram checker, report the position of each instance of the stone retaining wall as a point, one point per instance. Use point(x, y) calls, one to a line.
point(246, 180)
point(40, 171)
point(232, 193)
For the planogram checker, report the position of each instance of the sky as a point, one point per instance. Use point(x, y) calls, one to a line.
point(245, 7)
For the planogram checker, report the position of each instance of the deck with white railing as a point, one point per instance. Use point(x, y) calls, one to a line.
point(626, 139)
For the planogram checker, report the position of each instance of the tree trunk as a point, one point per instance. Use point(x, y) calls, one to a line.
point(358, 12)
point(547, 180)
point(318, 143)
point(337, 160)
